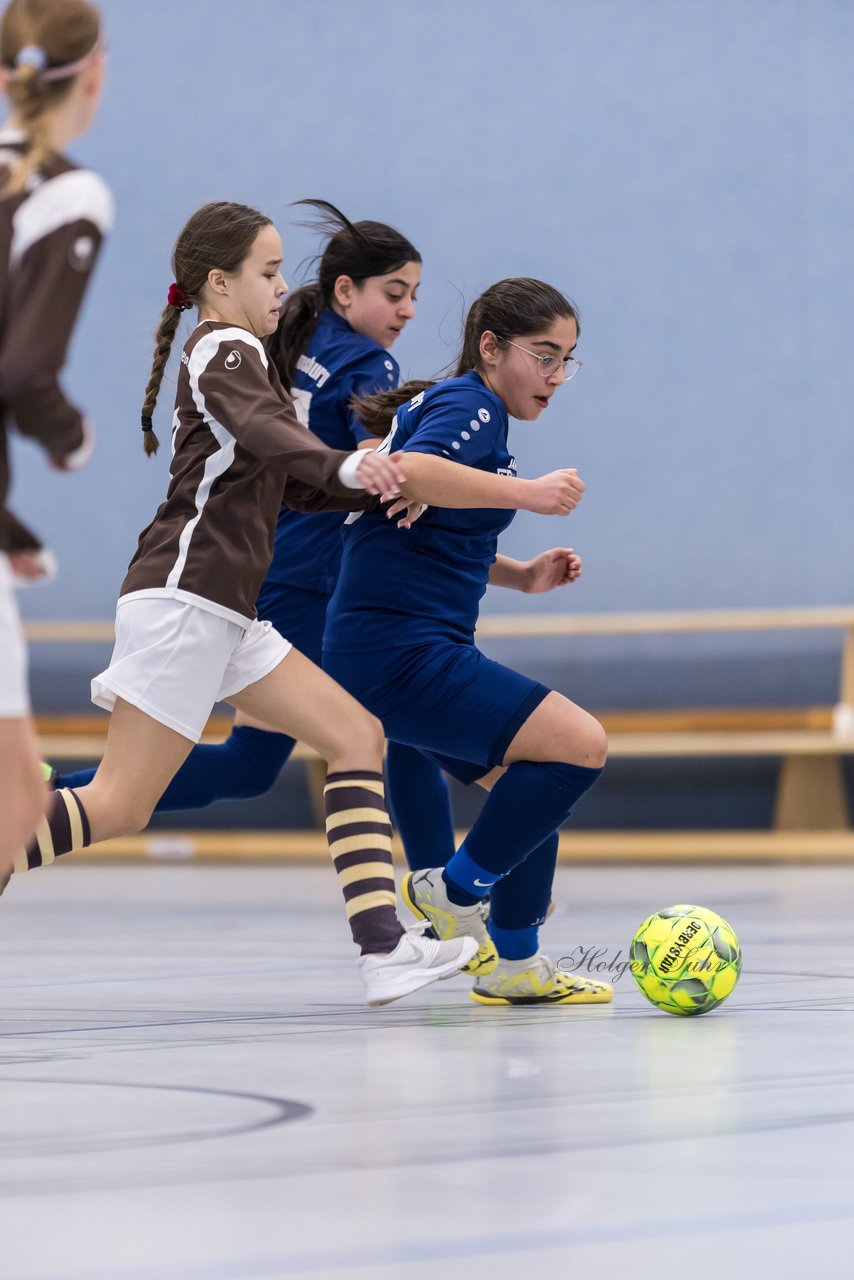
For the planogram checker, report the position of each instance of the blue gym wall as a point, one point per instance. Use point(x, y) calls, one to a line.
point(681, 169)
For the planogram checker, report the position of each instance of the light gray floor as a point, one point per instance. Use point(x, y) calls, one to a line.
point(191, 1089)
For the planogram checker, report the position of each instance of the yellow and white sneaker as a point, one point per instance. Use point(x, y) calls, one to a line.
point(424, 893)
point(538, 981)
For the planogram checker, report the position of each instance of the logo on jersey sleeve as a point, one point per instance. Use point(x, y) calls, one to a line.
point(474, 425)
point(81, 252)
point(232, 360)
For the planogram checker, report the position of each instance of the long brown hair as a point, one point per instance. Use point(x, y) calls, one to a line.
point(51, 35)
point(359, 250)
point(510, 309)
point(217, 235)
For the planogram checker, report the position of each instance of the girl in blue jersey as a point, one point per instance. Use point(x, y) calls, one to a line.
point(332, 344)
point(400, 637)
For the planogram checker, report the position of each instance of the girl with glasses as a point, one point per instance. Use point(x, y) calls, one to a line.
point(400, 637)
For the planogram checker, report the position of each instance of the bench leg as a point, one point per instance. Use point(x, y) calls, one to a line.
point(811, 795)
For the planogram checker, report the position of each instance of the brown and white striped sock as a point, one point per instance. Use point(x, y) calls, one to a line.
point(359, 834)
point(63, 829)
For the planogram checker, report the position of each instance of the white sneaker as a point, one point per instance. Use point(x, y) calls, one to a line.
point(415, 962)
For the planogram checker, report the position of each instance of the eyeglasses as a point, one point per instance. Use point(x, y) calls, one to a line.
point(548, 364)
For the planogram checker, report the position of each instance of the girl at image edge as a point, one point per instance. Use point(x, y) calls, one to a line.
point(53, 218)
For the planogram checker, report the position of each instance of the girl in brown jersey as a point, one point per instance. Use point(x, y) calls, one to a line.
point(186, 630)
point(53, 216)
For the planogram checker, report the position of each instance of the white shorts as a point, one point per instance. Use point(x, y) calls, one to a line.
point(174, 660)
point(14, 694)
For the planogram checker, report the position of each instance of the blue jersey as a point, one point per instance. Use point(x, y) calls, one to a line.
point(337, 364)
point(400, 587)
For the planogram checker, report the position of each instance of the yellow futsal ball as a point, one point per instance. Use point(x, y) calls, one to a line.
point(685, 959)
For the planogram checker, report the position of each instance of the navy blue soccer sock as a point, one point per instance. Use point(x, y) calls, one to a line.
point(245, 765)
point(519, 902)
point(529, 802)
point(420, 807)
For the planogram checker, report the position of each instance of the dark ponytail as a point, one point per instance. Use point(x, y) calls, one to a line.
point(375, 412)
point(510, 309)
point(355, 249)
point(293, 332)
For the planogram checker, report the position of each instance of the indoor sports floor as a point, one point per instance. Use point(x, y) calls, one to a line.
point(192, 1089)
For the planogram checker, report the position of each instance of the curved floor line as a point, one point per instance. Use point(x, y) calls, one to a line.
point(285, 1111)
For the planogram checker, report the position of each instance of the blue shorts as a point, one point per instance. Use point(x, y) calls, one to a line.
point(459, 708)
point(298, 615)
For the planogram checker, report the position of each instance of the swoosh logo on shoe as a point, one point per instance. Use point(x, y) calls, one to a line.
point(483, 884)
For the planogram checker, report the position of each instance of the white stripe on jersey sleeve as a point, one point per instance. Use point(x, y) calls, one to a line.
point(206, 348)
point(57, 202)
point(219, 462)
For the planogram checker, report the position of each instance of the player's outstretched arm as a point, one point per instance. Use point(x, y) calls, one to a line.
point(377, 478)
point(442, 483)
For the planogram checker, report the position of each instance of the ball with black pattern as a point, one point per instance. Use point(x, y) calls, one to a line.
point(685, 959)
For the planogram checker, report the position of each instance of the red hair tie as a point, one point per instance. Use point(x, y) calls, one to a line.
point(176, 297)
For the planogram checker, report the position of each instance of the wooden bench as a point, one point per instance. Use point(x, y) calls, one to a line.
point(811, 793)
point(809, 742)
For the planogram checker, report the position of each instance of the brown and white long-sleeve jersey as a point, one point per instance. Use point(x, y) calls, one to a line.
point(50, 236)
point(236, 440)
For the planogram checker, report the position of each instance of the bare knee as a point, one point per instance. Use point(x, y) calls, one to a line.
point(370, 737)
point(360, 744)
point(562, 731)
point(583, 741)
point(590, 746)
